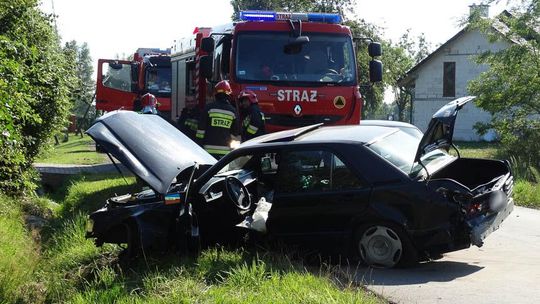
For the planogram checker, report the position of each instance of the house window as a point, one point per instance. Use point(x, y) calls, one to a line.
point(449, 79)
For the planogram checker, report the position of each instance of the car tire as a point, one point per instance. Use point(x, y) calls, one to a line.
point(384, 245)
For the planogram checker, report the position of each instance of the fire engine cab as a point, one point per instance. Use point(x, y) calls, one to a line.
point(121, 83)
point(302, 66)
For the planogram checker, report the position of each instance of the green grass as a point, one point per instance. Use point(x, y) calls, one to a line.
point(487, 150)
point(77, 150)
point(65, 267)
point(527, 194)
point(19, 253)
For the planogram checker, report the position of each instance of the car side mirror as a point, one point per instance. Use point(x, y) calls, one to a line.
point(207, 44)
point(374, 49)
point(206, 63)
point(375, 71)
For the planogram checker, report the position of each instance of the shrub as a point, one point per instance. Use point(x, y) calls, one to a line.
point(34, 84)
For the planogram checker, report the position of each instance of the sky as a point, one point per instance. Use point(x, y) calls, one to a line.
point(119, 27)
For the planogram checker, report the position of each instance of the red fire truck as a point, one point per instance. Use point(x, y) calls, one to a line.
point(302, 66)
point(121, 83)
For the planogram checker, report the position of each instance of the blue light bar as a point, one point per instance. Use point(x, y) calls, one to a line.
point(258, 16)
point(323, 17)
point(273, 16)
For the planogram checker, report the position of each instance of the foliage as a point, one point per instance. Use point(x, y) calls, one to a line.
point(82, 85)
point(510, 88)
point(34, 77)
point(399, 59)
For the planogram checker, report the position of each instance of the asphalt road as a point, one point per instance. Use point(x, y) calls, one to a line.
point(505, 270)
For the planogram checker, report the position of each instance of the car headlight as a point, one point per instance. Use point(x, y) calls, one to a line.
point(89, 225)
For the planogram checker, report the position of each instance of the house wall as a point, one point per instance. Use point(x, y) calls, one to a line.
point(429, 83)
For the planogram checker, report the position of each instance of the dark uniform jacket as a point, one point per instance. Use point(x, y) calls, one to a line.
point(216, 125)
point(188, 122)
point(253, 124)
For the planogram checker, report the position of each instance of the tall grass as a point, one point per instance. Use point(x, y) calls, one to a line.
point(19, 255)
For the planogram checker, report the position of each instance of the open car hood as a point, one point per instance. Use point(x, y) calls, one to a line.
point(148, 146)
point(441, 128)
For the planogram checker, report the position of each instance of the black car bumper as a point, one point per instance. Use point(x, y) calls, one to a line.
point(485, 225)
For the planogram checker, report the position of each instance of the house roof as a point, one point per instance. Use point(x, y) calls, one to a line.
point(498, 26)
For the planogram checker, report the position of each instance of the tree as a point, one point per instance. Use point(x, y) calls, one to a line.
point(82, 88)
point(373, 94)
point(33, 90)
point(510, 88)
point(399, 59)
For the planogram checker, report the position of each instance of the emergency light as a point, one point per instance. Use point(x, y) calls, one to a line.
point(274, 16)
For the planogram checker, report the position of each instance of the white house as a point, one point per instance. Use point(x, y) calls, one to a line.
point(444, 75)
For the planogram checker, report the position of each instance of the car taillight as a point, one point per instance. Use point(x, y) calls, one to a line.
point(475, 208)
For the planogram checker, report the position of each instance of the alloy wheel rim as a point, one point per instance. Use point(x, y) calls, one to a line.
point(380, 246)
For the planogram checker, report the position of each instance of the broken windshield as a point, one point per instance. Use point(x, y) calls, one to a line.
point(270, 57)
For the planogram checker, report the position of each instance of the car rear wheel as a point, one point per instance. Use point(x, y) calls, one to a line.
point(384, 246)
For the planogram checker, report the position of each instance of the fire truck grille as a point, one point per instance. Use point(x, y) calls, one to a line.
point(291, 121)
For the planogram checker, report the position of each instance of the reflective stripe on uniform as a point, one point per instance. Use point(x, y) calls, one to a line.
point(200, 134)
point(192, 124)
point(252, 129)
point(221, 111)
point(221, 150)
point(221, 118)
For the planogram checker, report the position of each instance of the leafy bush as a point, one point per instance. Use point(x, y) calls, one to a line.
point(34, 86)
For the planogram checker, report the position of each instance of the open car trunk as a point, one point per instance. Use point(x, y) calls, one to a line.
point(475, 174)
point(488, 201)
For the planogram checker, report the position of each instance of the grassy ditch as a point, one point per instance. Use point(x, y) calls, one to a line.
point(63, 266)
point(77, 151)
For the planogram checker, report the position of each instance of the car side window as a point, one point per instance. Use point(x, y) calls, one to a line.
point(314, 171)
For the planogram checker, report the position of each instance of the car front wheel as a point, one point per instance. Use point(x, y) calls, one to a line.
point(384, 246)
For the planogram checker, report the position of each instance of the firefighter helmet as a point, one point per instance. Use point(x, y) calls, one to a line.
point(149, 103)
point(252, 97)
point(148, 99)
point(223, 87)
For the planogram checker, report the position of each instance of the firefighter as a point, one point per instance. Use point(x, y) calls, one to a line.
point(149, 103)
point(253, 124)
point(188, 121)
point(217, 124)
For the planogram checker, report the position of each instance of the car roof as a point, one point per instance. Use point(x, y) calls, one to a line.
point(362, 134)
point(315, 133)
point(386, 123)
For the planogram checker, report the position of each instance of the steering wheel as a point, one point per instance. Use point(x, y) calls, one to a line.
point(238, 193)
point(331, 74)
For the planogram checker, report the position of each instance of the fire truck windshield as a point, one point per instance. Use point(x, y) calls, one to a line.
point(158, 80)
point(271, 57)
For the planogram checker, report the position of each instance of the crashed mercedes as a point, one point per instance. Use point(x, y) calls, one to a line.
point(376, 192)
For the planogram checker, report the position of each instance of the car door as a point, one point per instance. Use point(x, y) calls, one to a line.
point(316, 193)
point(116, 85)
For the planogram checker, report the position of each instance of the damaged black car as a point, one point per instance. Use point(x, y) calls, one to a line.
point(378, 193)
